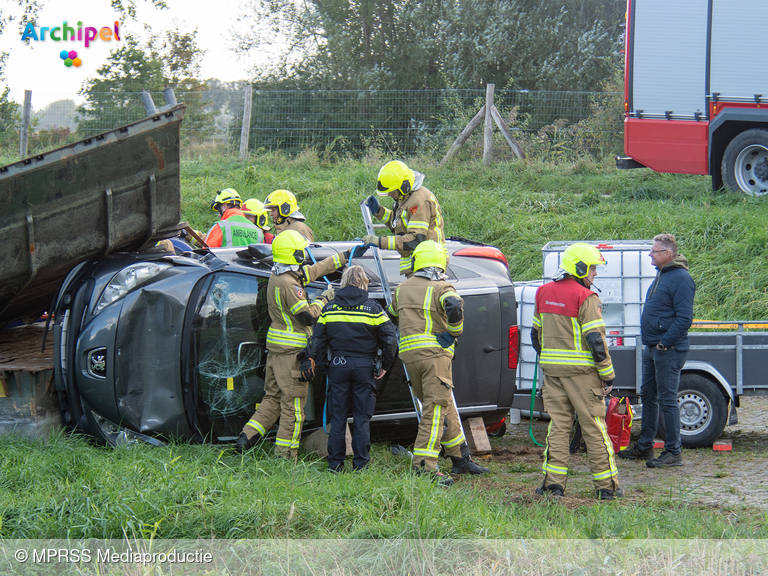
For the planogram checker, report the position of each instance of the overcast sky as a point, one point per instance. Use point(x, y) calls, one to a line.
point(39, 68)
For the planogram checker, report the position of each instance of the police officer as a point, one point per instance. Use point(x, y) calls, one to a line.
point(348, 334)
point(569, 334)
point(431, 316)
point(416, 215)
point(289, 368)
point(284, 210)
point(233, 228)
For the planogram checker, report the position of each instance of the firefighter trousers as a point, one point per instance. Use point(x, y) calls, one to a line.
point(440, 425)
point(285, 398)
point(582, 394)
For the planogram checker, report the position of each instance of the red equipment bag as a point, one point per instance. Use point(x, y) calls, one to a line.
point(618, 420)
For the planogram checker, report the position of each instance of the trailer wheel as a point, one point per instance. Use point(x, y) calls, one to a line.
point(745, 163)
point(703, 411)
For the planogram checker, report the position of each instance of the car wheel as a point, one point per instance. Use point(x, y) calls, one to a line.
point(703, 412)
point(745, 163)
point(498, 433)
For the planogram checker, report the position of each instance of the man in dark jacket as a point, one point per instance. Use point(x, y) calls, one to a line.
point(351, 329)
point(667, 316)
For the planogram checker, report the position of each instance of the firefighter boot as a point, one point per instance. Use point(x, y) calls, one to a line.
point(244, 443)
point(465, 464)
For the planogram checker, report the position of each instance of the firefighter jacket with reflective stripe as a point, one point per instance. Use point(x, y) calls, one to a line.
point(353, 325)
point(288, 304)
point(298, 225)
point(424, 308)
point(566, 312)
point(418, 214)
point(234, 229)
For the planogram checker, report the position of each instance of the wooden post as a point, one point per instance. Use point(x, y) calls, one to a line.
point(245, 132)
point(488, 136)
point(507, 133)
point(459, 142)
point(26, 112)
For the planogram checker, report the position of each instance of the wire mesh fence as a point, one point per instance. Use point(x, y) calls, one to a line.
point(403, 122)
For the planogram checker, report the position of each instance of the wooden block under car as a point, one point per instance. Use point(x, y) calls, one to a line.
point(722, 445)
point(477, 438)
point(317, 442)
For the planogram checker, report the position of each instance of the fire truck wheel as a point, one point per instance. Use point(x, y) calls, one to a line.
point(745, 163)
point(703, 412)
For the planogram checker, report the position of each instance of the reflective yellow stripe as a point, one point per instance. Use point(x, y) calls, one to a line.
point(456, 327)
point(576, 334)
point(418, 341)
point(391, 242)
point(387, 214)
point(537, 322)
point(299, 422)
point(594, 324)
point(608, 445)
point(605, 371)
point(554, 469)
point(406, 264)
point(258, 427)
point(286, 337)
point(436, 429)
point(427, 314)
point(298, 306)
point(355, 317)
point(418, 225)
point(455, 442)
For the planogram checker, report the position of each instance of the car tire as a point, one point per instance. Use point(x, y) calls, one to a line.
point(703, 412)
point(745, 163)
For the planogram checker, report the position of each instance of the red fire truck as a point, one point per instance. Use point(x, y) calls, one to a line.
point(696, 90)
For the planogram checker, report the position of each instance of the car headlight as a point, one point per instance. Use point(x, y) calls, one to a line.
point(128, 279)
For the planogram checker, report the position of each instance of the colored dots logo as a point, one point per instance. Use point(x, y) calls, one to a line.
point(70, 58)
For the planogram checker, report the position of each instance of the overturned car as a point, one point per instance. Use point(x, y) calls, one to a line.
point(158, 345)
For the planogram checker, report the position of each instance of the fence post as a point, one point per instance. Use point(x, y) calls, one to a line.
point(488, 135)
point(245, 132)
point(26, 112)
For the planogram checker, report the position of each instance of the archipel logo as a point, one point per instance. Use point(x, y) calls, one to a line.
point(67, 33)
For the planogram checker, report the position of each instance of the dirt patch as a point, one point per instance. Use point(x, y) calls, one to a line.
point(736, 478)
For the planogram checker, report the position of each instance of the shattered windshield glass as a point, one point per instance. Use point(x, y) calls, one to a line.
point(229, 352)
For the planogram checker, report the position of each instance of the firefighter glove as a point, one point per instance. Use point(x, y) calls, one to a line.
point(445, 339)
point(307, 368)
point(371, 240)
point(358, 251)
point(373, 204)
point(328, 294)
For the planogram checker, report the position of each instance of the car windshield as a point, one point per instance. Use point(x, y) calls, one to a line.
point(229, 335)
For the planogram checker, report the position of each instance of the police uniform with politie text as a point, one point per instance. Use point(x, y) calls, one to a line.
point(430, 314)
point(233, 229)
point(289, 367)
point(415, 217)
point(569, 334)
point(353, 343)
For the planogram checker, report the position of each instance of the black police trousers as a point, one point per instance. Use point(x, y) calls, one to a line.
point(350, 378)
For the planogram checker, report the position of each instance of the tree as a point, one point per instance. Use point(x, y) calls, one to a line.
point(171, 59)
point(411, 44)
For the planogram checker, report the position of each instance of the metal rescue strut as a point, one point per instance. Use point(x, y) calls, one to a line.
point(387, 297)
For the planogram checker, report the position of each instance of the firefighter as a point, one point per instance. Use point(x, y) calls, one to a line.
point(289, 367)
point(431, 316)
point(569, 335)
point(255, 212)
point(415, 217)
point(354, 343)
point(285, 214)
point(233, 229)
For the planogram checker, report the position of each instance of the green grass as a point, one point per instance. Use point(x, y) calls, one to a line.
point(519, 207)
point(67, 488)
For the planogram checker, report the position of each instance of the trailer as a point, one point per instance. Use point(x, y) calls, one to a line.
point(116, 191)
point(695, 94)
point(727, 360)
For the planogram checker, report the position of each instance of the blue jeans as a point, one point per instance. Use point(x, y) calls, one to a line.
point(661, 381)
